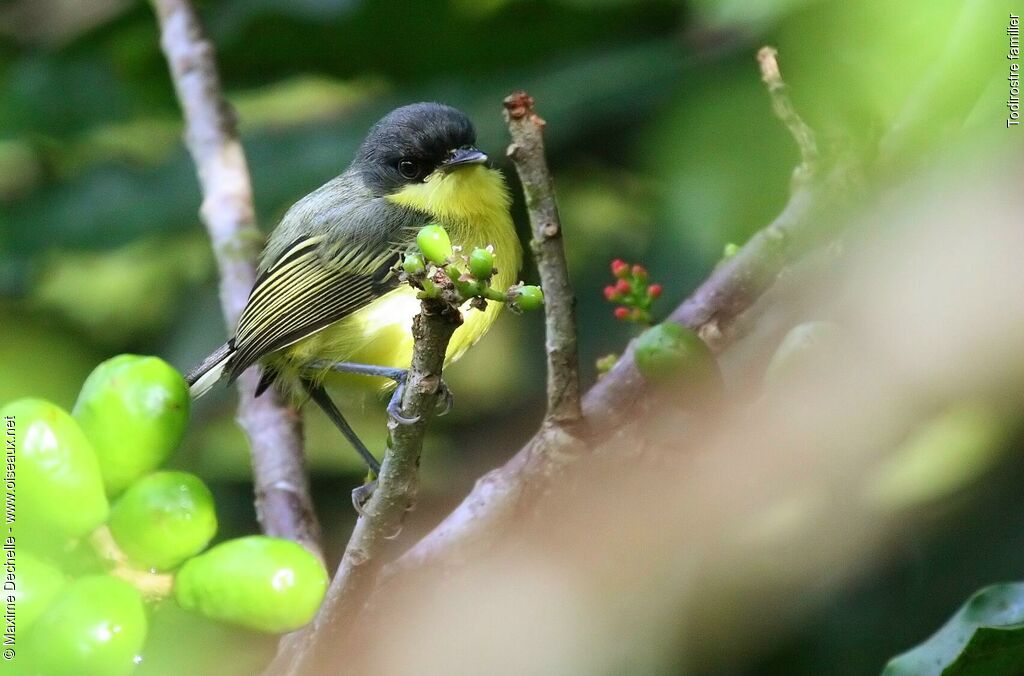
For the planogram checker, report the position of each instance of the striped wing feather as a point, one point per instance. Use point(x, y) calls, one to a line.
point(302, 293)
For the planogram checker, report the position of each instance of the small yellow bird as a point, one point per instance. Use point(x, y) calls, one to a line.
point(328, 299)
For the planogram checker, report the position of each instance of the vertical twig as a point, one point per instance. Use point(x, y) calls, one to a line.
point(313, 649)
point(283, 504)
point(768, 59)
point(527, 153)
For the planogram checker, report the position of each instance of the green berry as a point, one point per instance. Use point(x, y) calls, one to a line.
point(435, 244)
point(263, 583)
point(95, 628)
point(164, 519)
point(36, 586)
point(413, 264)
point(481, 263)
point(134, 410)
point(669, 354)
point(60, 489)
point(529, 298)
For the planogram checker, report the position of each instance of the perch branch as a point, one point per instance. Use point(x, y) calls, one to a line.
point(527, 152)
point(310, 651)
point(733, 286)
point(283, 504)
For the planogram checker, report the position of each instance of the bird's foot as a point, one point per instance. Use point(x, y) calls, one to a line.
point(445, 403)
point(362, 495)
point(399, 376)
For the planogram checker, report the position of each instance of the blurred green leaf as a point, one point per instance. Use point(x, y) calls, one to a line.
point(412, 43)
point(56, 95)
point(41, 359)
point(114, 203)
point(938, 459)
point(746, 14)
point(20, 169)
point(722, 158)
point(984, 638)
point(120, 295)
point(301, 100)
point(992, 651)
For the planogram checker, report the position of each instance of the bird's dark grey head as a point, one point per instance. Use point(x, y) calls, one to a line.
point(411, 142)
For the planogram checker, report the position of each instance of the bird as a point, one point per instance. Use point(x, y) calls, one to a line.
point(328, 297)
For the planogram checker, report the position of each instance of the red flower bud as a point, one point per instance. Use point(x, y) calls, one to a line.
point(639, 271)
point(654, 290)
point(622, 286)
point(621, 312)
point(619, 267)
point(610, 293)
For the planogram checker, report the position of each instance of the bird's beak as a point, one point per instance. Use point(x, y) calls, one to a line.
point(461, 157)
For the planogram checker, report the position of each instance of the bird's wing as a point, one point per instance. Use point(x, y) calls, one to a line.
point(305, 290)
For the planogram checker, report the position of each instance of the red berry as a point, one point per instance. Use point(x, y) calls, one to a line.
point(654, 290)
point(621, 312)
point(619, 267)
point(622, 287)
point(610, 293)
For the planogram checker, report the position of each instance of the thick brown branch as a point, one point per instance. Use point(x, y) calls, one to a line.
point(283, 504)
point(312, 650)
point(527, 153)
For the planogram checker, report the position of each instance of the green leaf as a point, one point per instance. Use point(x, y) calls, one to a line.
point(991, 651)
point(984, 638)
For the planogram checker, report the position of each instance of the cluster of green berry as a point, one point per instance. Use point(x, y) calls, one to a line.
point(468, 276)
point(632, 293)
point(102, 535)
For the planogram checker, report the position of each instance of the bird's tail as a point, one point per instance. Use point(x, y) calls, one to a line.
point(210, 370)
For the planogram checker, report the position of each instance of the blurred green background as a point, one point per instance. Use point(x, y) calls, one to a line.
point(664, 147)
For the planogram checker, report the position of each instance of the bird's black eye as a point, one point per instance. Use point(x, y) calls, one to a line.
point(410, 169)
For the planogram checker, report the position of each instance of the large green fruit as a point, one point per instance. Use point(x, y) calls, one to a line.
point(163, 519)
point(60, 490)
point(36, 585)
point(259, 582)
point(134, 410)
point(95, 628)
point(676, 360)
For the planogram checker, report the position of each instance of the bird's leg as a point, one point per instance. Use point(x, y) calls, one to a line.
point(361, 495)
point(399, 376)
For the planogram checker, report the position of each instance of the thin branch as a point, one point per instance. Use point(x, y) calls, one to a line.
point(312, 650)
point(527, 153)
point(768, 59)
point(507, 492)
point(283, 504)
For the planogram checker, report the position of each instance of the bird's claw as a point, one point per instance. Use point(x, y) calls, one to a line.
point(362, 495)
point(445, 403)
point(395, 406)
point(447, 399)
